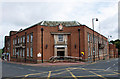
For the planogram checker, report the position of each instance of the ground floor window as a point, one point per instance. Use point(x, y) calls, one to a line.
point(27, 52)
point(31, 52)
point(23, 52)
point(13, 52)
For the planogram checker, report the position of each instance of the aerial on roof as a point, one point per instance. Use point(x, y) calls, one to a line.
point(55, 23)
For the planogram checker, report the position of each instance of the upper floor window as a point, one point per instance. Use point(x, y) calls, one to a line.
point(23, 39)
point(13, 42)
point(18, 41)
point(60, 37)
point(88, 37)
point(31, 37)
point(91, 37)
point(27, 38)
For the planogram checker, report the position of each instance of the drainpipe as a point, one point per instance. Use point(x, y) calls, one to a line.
point(25, 47)
point(79, 43)
point(42, 42)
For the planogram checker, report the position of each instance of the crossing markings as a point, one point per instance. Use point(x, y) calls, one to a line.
point(49, 75)
point(70, 70)
point(71, 74)
point(97, 74)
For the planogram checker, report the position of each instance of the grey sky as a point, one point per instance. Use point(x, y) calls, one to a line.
point(16, 15)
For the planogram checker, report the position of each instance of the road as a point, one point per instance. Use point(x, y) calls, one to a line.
point(104, 69)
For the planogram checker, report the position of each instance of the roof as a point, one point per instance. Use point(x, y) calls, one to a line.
point(55, 23)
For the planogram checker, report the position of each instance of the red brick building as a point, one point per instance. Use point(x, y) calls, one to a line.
point(113, 51)
point(57, 38)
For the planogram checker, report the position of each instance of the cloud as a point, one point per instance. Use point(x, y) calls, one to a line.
point(17, 14)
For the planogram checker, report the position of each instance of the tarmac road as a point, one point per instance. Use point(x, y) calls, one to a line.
point(104, 69)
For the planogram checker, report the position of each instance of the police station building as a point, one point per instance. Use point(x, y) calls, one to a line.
point(51, 39)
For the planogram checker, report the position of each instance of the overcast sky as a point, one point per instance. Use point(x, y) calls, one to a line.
point(22, 14)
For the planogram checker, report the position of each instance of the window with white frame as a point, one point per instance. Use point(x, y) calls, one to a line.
point(31, 52)
point(88, 37)
point(31, 37)
point(28, 38)
point(88, 50)
point(13, 52)
point(13, 42)
point(23, 39)
point(18, 41)
point(23, 53)
point(91, 50)
point(18, 52)
point(91, 37)
point(60, 37)
point(27, 52)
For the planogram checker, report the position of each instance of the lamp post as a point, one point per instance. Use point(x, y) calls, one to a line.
point(93, 38)
point(79, 43)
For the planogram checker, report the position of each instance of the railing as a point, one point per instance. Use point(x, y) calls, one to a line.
point(64, 58)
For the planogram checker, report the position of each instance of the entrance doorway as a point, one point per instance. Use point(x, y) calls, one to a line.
point(60, 53)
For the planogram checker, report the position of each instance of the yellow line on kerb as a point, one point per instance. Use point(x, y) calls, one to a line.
point(71, 74)
point(49, 75)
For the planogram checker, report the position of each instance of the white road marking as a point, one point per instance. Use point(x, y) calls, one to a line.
point(108, 68)
point(113, 64)
point(108, 61)
point(20, 68)
point(31, 70)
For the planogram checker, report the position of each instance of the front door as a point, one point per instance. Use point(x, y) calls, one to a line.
point(60, 53)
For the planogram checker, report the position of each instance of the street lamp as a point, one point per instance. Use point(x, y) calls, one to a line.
point(96, 19)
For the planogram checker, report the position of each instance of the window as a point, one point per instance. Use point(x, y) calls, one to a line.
point(31, 36)
point(13, 52)
point(27, 52)
point(18, 52)
point(23, 52)
point(60, 37)
point(23, 39)
point(13, 41)
point(95, 51)
point(27, 38)
point(31, 52)
point(91, 50)
point(88, 50)
point(18, 41)
point(88, 37)
point(91, 37)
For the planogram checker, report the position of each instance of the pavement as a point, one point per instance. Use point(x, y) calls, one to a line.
point(48, 64)
point(104, 69)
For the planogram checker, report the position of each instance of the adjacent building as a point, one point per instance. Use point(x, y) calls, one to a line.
point(47, 39)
